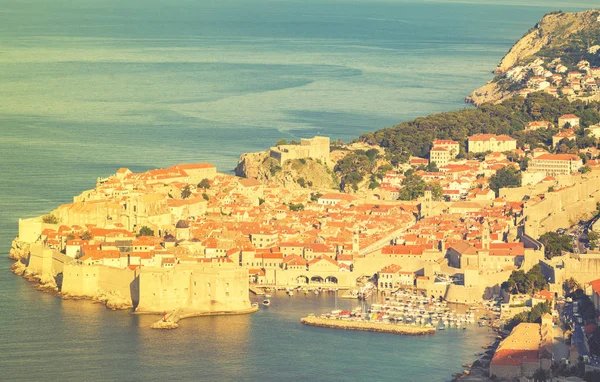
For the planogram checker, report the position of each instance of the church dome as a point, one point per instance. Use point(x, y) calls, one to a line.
point(182, 224)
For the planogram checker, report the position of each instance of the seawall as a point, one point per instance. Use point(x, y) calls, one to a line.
point(367, 326)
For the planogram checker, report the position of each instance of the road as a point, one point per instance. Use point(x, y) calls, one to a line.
point(579, 234)
point(560, 349)
point(578, 337)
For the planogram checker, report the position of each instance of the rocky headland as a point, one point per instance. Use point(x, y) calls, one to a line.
point(553, 31)
point(293, 174)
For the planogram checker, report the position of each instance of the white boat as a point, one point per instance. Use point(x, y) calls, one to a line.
point(266, 302)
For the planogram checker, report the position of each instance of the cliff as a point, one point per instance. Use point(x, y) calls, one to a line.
point(292, 174)
point(557, 35)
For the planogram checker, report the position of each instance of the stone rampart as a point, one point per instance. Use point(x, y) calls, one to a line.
point(45, 261)
point(559, 209)
point(197, 287)
point(81, 280)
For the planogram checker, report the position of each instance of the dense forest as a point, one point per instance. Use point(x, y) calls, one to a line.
point(509, 117)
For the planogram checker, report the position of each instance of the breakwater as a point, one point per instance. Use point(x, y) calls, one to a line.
point(171, 320)
point(367, 326)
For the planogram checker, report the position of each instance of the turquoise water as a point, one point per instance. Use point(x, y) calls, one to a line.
point(90, 86)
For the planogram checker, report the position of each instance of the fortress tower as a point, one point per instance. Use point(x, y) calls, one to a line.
point(313, 148)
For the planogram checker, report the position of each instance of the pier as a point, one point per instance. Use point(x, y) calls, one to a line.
point(367, 326)
point(170, 320)
point(257, 291)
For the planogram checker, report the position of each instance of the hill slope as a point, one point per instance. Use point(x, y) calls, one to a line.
point(568, 37)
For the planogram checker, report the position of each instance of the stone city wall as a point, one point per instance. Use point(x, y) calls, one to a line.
point(193, 287)
point(561, 208)
point(45, 261)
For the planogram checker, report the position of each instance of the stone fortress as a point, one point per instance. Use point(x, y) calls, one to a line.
point(314, 148)
point(192, 289)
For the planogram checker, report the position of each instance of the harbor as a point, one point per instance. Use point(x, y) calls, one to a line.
point(402, 309)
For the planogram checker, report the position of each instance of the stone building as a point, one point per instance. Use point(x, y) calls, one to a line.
point(555, 164)
point(526, 349)
point(313, 148)
point(198, 171)
point(536, 125)
point(392, 277)
point(481, 143)
point(565, 134)
point(443, 151)
point(571, 119)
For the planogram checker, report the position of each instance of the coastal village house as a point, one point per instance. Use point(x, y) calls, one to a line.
point(570, 119)
point(393, 277)
point(568, 134)
point(443, 151)
point(536, 125)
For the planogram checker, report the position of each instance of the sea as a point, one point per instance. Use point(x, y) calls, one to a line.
point(88, 86)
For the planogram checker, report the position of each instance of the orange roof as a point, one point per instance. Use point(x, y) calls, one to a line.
point(569, 157)
point(392, 268)
point(543, 295)
point(294, 260)
point(595, 286)
point(444, 142)
point(269, 255)
point(538, 123)
point(338, 196)
point(566, 133)
point(323, 258)
point(256, 271)
point(194, 166)
point(318, 247)
point(403, 250)
point(514, 357)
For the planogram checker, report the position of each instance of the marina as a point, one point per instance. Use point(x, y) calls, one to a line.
point(404, 312)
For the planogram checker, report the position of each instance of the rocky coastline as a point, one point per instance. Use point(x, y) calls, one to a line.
point(19, 252)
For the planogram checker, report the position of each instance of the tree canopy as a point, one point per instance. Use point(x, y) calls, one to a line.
point(505, 177)
point(186, 192)
point(555, 244)
point(528, 283)
point(49, 219)
point(414, 187)
point(146, 231)
point(509, 117)
point(204, 183)
point(534, 315)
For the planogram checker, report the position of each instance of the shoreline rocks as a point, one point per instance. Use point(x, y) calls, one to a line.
point(18, 250)
point(367, 326)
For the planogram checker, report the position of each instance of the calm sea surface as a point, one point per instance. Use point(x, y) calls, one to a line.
point(87, 86)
